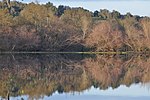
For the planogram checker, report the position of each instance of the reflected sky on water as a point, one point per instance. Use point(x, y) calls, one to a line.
point(134, 92)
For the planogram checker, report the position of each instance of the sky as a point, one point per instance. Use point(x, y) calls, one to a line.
point(135, 7)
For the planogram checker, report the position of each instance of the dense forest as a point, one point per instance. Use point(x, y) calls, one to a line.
point(44, 27)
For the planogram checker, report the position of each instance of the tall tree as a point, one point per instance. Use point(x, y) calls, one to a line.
point(37, 14)
point(78, 17)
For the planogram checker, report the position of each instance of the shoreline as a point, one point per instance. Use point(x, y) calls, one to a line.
point(40, 52)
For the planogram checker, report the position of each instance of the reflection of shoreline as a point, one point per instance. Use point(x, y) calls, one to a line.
point(128, 93)
point(122, 90)
point(43, 75)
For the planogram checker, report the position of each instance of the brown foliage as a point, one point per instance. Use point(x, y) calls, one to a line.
point(38, 14)
point(30, 38)
point(5, 18)
point(135, 37)
point(59, 36)
point(106, 36)
point(79, 18)
point(145, 22)
point(19, 38)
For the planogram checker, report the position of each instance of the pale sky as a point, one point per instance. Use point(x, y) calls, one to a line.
point(136, 7)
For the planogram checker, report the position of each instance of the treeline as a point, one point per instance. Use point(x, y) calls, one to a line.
point(44, 27)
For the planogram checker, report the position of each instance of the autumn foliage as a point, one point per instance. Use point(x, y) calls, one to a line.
point(44, 27)
point(106, 36)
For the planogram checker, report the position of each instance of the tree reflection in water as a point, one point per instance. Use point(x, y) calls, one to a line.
point(42, 75)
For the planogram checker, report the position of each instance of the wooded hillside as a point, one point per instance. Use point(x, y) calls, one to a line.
point(44, 27)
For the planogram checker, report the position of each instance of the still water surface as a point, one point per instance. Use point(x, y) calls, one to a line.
point(74, 77)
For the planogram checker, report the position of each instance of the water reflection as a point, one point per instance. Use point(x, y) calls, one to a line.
point(37, 76)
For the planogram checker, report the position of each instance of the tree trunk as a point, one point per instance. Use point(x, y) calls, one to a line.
point(84, 33)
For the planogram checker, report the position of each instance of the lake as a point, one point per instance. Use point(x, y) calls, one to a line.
point(74, 77)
